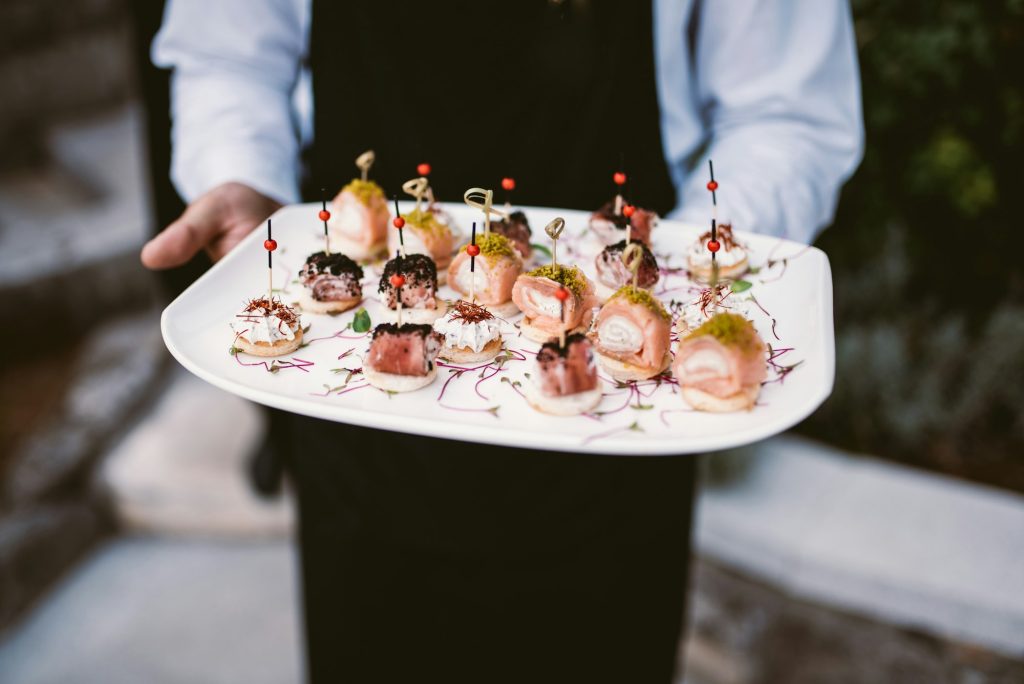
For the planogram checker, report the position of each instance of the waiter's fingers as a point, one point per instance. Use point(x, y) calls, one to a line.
point(177, 243)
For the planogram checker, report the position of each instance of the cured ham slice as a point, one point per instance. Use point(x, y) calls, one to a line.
point(632, 332)
point(497, 267)
point(611, 227)
point(546, 316)
point(565, 381)
point(406, 350)
point(331, 283)
point(425, 234)
point(613, 274)
point(359, 220)
point(517, 230)
point(720, 366)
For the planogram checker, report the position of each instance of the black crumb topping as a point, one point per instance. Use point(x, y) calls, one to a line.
point(418, 269)
point(550, 350)
point(520, 218)
point(421, 329)
point(607, 212)
point(334, 263)
point(619, 247)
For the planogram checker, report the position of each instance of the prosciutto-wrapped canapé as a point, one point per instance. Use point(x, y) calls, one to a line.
point(720, 366)
point(535, 293)
point(359, 220)
point(633, 333)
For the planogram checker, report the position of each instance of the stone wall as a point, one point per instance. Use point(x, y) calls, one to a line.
point(58, 59)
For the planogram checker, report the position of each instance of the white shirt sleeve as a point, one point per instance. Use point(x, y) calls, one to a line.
point(777, 86)
point(236, 64)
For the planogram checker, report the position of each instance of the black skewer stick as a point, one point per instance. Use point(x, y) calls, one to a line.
point(472, 257)
point(270, 252)
point(401, 238)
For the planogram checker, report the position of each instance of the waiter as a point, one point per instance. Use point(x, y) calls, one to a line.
point(441, 560)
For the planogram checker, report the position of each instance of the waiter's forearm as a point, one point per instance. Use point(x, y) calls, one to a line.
point(780, 87)
point(236, 63)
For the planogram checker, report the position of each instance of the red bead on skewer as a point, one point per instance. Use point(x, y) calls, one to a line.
point(712, 185)
point(398, 222)
point(324, 215)
point(423, 169)
point(473, 250)
point(397, 280)
point(619, 178)
point(508, 184)
point(714, 246)
point(562, 294)
point(628, 210)
point(270, 245)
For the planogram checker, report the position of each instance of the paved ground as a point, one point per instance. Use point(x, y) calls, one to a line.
point(165, 612)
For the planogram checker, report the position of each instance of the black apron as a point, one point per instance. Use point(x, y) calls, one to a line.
point(436, 560)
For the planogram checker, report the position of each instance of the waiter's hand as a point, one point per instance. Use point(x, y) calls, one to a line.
point(216, 222)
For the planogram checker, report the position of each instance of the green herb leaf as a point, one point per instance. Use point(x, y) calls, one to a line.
point(361, 323)
point(741, 285)
point(542, 249)
point(233, 350)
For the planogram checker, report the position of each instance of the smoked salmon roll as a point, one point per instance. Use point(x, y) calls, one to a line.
point(331, 283)
point(359, 223)
point(420, 303)
point(731, 256)
point(564, 382)
point(610, 227)
point(547, 316)
point(497, 267)
point(632, 333)
point(720, 366)
point(425, 234)
point(401, 358)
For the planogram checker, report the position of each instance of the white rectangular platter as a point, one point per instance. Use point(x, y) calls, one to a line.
point(790, 302)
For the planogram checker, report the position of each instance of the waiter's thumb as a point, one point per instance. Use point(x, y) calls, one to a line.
point(182, 240)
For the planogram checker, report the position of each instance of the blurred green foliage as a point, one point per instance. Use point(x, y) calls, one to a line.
point(925, 250)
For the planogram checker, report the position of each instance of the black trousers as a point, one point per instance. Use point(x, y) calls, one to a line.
point(433, 560)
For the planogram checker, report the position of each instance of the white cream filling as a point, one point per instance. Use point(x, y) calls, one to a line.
point(706, 362)
point(349, 221)
point(413, 242)
point(546, 305)
point(700, 255)
point(459, 334)
point(269, 329)
point(464, 278)
point(620, 334)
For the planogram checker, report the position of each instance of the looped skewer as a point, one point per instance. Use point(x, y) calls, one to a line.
point(417, 187)
point(632, 258)
point(481, 199)
point(554, 230)
point(365, 161)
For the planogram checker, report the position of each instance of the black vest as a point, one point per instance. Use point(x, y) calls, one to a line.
point(558, 95)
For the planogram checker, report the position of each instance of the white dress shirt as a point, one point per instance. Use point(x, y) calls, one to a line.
point(770, 91)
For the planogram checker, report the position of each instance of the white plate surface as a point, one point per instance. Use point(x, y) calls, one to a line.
point(793, 285)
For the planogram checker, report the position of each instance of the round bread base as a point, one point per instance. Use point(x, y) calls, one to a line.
point(571, 405)
point(702, 271)
point(357, 251)
point(310, 305)
point(504, 310)
point(467, 355)
point(278, 348)
point(532, 332)
point(398, 383)
point(702, 401)
point(418, 316)
point(624, 372)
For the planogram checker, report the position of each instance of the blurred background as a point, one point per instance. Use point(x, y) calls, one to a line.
point(882, 540)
